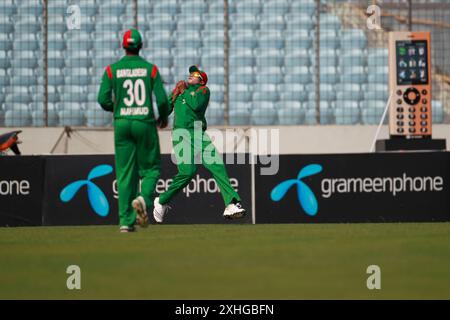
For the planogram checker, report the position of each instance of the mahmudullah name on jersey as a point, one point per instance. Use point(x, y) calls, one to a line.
point(131, 73)
point(138, 111)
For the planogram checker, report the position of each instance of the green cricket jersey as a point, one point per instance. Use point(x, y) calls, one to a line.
point(131, 81)
point(190, 106)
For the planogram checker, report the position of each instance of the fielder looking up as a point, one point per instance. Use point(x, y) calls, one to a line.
point(131, 81)
point(189, 102)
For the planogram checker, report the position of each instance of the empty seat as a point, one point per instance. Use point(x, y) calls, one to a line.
point(329, 39)
point(107, 42)
point(347, 112)
point(437, 112)
point(378, 75)
point(24, 59)
point(55, 76)
point(9, 8)
point(185, 59)
point(329, 75)
point(215, 114)
point(20, 116)
point(299, 40)
point(327, 92)
point(217, 91)
point(216, 75)
point(4, 78)
point(307, 7)
point(299, 21)
point(108, 23)
point(194, 7)
point(166, 7)
point(242, 58)
point(293, 92)
point(349, 91)
point(372, 111)
point(376, 92)
point(79, 41)
point(56, 23)
point(270, 57)
point(188, 23)
point(30, 7)
point(161, 22)
point(70, 93)
point(101, 59)
point(263, 113)
point(297, 58)
point(242, 41)
point(5, 59)
point(6, 24)
point(161, 58)
point(354, 74)
point(272, 22)
point(23, 77)
point(77, 76)
point(78, 59)
point(252, 7)
point(299, 74)
point(97, 117)
point(213, 21)
point(290, 113)
point(239, 93)
point(27, 24)
point(271, 40)
point(56, 42)
point(38, 115)
point(112, 8)
point(56, 9)
point(239, 117)
point(275, 7)
point(266, 92)
point(5, 42)
point(329, 21)
point(188, 41)
point(26, 42)
point(354, 57)
point(268, 74)
point(325, 113)
point(377, 57)
point(212, 42)
point(353, 39)
point(327, 57)
point(212, 58)
point(73, 117)
point(242, 75)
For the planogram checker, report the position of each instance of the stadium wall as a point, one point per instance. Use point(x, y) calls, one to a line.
point(293, 139)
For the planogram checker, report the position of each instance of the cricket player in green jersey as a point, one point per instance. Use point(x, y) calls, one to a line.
point(189, 102)
point(126, 90)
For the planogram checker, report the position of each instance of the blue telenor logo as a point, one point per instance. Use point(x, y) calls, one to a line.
point(305, 195)
point(97, 198)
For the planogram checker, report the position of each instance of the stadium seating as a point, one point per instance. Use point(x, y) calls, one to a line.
point(272, 59)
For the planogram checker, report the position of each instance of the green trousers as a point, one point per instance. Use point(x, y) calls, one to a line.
point(137, 156)
point(197, 145)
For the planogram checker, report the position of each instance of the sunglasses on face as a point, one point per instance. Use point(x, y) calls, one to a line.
point(196, 74)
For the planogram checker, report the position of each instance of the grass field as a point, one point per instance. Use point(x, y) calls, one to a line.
point(228, 261)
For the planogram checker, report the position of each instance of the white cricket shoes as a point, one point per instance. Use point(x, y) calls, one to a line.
point(140, 208)
point(126, 229)
point(159, 210)
point(234, 211)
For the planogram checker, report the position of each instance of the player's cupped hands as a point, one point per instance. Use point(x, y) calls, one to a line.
point(179, 89)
